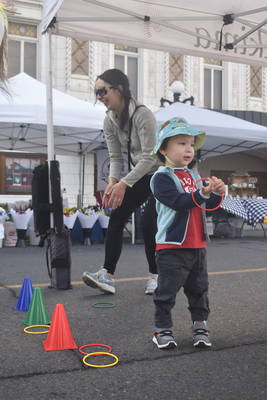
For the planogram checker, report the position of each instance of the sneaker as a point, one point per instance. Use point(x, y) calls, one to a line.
point(152, 284)
point(164, 340)
point(100, 280)
point(201, 334)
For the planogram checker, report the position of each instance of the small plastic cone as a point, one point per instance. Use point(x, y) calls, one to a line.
point(25, 295)
point(59, 336)
point(37, 314)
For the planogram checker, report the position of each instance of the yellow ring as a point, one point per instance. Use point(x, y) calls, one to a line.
point(34, 326)
point(99, 354)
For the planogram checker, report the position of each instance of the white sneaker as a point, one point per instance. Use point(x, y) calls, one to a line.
point(152, 284)
point(100, 280)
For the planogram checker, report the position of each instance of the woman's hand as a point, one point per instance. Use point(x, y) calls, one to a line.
point(117, 192)
point(107, 192)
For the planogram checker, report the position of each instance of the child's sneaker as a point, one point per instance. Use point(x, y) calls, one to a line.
point(201, 334)
point(100, 280)
point(164, 340)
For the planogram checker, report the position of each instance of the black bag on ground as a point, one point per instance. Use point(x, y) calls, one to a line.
point(58, 239)
point(40, 199)
point(57, 200)
point(58, 259)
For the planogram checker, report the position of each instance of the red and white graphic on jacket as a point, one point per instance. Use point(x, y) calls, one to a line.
point(195, 232)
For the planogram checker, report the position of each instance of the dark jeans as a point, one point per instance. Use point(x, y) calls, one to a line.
point(134, 197)
point(178, 268)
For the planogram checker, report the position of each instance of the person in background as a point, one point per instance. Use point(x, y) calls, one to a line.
point(129, 128)
point(181, 236)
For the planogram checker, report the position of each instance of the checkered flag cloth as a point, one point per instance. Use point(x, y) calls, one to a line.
point(235, 206)
point(255, 209)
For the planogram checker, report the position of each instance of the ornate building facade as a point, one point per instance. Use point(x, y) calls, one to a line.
point(77, 63)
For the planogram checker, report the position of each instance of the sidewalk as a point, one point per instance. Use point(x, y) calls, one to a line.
point(233, 368)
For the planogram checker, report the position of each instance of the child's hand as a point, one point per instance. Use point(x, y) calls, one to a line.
point(206, 190)
point(218, 185)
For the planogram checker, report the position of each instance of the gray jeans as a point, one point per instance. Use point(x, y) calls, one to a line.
point(178, 268)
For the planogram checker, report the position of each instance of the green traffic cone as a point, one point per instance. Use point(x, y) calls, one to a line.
point(37, 314)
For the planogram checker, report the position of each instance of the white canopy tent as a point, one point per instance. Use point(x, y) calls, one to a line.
point(189, 27)
point(233, 31)
point(23, 119)
point(228, 30)
point(78, 124)
point(225, 134)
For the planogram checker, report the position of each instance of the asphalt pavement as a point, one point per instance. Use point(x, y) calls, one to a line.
point(234, 368)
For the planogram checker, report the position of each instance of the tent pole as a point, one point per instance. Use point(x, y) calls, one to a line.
point(83, 172)
point(250, 12)
point(80, 195)
point(49, 114)
point(49, 100)
point(255, 28)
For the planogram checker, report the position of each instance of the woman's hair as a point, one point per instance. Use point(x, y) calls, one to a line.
point(116, 77)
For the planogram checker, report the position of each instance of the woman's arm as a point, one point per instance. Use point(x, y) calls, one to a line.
point(145, 127)
point(114, 150)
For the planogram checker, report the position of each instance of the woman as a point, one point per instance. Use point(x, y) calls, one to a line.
point(129, 127)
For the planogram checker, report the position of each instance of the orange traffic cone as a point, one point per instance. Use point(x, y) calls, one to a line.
point(59, 336)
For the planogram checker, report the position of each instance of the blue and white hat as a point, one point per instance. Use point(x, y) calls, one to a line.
point(178, 126)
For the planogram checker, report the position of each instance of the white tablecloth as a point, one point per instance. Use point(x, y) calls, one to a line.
point(103, 220)
point(69, 220)
point(87, 221)
point(21, 220)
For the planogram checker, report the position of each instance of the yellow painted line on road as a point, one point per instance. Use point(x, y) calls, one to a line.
point(144, 278)
point(237, 271)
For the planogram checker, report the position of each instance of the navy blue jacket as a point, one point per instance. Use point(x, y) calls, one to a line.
point(173, 205)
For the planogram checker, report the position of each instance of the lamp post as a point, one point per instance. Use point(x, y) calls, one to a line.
point(177, 89)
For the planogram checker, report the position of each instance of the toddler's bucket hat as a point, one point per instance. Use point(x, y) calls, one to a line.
point(178, 126)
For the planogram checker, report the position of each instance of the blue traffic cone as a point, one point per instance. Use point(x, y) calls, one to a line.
point(25, 296)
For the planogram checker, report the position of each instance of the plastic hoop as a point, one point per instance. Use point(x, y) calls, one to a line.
point(102, 353)
point(35, 326)
point(104, 305)
point(94, 344)
point(198, 205)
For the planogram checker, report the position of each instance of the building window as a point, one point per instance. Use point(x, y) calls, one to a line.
point(79, 57)
point(126, 59)
point(22, 49)
point(213, 74)
point(255, 81)
point(16, 176)
point(176, 67)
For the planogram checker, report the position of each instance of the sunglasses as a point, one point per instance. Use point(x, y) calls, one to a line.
point(102, 91)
